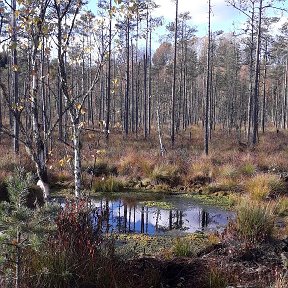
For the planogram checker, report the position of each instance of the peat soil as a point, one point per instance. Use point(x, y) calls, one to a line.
point(220, 265)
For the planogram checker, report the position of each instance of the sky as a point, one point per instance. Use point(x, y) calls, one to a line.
point(224, 17)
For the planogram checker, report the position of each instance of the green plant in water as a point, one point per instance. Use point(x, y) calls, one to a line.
point(254, 221)
point(158, 204)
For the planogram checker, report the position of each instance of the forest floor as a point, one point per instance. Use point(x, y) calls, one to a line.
point(231, 172)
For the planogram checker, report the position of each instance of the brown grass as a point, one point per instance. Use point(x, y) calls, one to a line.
point(226, 167)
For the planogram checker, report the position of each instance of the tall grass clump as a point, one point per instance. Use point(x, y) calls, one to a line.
point(182, 248)
point(248, 169)
point(263, 185)
point(109, 184)
point(217, 278)
point(254, 221)
point(166, 173)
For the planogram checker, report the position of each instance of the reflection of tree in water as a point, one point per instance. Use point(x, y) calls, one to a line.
point(204, 219)
point(122, 217)
point(175, 221)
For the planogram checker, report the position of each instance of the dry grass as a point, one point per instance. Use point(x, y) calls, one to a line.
point(167, 174)
point(227, 167)
point(262, 186)
point(254, 221)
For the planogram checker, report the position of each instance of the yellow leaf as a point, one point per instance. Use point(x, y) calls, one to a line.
point(15, 68)
point(61, 162)
point(83, 111)
point(78, 106)
point(82, 124)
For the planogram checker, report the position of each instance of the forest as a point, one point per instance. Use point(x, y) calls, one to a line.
point(130, 158)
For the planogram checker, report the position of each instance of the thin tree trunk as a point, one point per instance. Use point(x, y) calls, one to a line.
point(109, 76)
point(15, 69)
point(174, 79)
point(208, 85)
point(257, 79)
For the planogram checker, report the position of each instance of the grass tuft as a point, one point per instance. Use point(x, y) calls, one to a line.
point(109, 184)
point(262, 186)
point(254, 221)
point(168, 174)
point(182, 248)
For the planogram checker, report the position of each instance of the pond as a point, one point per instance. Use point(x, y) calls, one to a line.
point(175, 215)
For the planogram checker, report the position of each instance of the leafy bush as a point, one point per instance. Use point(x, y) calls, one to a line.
point(254, 221)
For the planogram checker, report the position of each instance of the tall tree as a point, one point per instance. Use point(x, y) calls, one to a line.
point(207, 97)
point(173, 100)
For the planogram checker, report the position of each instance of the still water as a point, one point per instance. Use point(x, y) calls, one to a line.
point(183, 216)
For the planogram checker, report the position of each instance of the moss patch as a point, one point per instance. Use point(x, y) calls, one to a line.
point(135, 245)
point(225, 201)
point(158, 204)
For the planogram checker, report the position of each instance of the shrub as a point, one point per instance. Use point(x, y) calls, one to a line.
point(254, 221)
point(77, 255)
point(21, 227)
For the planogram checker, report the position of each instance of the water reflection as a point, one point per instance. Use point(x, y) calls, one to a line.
point(122, 217)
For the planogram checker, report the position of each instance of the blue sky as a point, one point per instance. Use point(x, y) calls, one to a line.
point(224, 17)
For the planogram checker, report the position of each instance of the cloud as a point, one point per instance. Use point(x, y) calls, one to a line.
point(222, 15)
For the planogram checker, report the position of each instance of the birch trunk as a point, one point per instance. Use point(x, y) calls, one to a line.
point(77, 159)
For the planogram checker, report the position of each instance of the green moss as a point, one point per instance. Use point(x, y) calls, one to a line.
point(213, 200)
point(158, 204)
point(133, 245)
